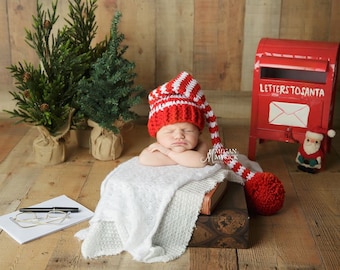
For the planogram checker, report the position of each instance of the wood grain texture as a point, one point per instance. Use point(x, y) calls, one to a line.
point(218, 42)
point(303, 235)
point(305, 20)
point(10, 135)
point(174, 38)
point(334, 29)
point(262, 19)
point(19, 14)
point(215, 40)
point(213, 258)
point(138, 25)
point(5, 59)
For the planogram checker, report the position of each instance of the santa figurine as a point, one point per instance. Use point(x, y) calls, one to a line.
point(310, 153)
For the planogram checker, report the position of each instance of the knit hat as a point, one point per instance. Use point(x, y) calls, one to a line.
point(169, 106)
point(182, 100)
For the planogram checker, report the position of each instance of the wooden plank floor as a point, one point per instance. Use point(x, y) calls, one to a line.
point(305, 234)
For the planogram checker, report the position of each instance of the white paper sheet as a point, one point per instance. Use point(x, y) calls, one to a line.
point(23, 235)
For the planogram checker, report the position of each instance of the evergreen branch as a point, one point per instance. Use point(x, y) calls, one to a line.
point(82, 23)
point(112, 77)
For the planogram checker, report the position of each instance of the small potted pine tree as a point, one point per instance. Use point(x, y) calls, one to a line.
point(108, 95)
point(46, 93)
point(82, 31)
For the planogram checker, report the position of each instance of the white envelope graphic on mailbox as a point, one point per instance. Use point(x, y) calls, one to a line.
point(288, 114)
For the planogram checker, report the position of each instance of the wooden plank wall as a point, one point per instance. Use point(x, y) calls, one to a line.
point(214, 40)
point(257, 26)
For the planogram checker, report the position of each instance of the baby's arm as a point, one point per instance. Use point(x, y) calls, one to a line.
point(191, 158)
point(158, 155)
point(152, 156)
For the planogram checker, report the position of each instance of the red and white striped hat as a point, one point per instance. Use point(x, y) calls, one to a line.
point(182, 100)
point(169, 104)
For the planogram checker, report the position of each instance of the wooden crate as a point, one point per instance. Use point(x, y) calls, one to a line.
point(228, 226)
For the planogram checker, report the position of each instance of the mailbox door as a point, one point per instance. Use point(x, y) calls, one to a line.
point(286, 120)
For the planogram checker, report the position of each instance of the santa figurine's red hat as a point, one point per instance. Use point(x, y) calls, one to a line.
point(318, 133)
point(182, 100)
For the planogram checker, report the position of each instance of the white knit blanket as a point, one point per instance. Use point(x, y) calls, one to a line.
point(149, 212)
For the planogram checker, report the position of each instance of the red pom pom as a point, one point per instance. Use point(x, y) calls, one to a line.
point(265, 193)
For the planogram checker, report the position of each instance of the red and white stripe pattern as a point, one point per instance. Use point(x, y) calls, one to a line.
point(185, 85)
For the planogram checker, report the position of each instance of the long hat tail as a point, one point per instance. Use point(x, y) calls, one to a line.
point(265, 192)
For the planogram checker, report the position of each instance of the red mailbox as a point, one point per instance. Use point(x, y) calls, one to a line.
point(294, 87)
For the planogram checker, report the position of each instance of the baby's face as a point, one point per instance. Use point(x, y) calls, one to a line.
point(178, 137)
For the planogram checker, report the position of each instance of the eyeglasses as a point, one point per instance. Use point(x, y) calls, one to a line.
point(30, 219)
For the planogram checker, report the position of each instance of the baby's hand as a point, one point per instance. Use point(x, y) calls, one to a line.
point(158, 147)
